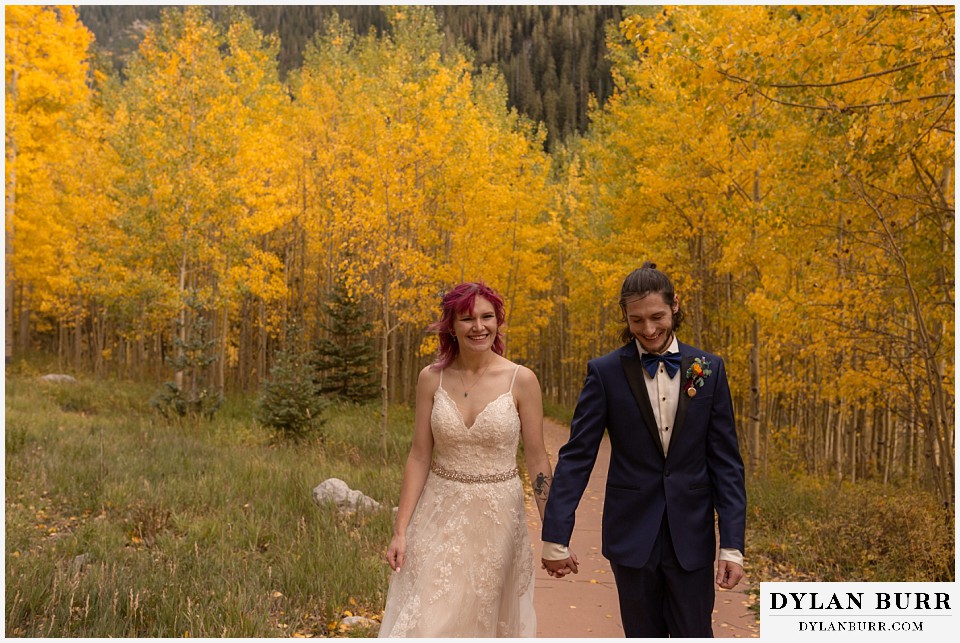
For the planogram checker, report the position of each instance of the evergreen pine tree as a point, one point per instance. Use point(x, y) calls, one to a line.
point(520, 40)
point(346, 357)
point(290, 403)
point(192, 358)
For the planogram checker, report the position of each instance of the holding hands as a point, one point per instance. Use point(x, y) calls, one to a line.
point(560, 568)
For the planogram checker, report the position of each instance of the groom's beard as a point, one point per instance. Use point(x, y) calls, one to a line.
point(664, 345)
point(669, 338)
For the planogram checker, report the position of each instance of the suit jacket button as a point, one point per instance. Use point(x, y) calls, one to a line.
point(666, 474)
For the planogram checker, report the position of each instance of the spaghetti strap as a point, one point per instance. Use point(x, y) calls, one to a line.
point(515, 371)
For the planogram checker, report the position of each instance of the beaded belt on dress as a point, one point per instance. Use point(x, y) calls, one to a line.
point(473, 478)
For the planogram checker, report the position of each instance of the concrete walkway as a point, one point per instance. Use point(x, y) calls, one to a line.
point(584, 605)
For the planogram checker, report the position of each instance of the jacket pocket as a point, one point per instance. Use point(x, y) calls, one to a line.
point(620, 487)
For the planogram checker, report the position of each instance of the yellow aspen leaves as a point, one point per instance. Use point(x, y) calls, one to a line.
point(791, 167)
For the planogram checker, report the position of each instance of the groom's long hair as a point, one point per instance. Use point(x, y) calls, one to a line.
point(641, 282)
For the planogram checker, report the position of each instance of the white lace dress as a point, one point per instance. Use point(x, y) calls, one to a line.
point(469, 564)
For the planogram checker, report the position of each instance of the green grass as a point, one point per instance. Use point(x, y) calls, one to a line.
point(186, 529)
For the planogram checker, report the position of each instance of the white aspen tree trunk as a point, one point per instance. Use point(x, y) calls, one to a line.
point(385, 366)
point(11, 203)
point(182, 323)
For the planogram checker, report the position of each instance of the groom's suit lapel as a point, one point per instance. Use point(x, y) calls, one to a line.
point(630, 361)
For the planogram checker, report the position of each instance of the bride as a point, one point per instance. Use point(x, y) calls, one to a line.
point(461, 555)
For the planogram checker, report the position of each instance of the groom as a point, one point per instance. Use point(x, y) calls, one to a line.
point(674, 462)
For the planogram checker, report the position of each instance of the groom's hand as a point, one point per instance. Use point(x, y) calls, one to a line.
point(728, 574)
point(560, 568)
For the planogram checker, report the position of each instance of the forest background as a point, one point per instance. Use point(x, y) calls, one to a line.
point(201, 200)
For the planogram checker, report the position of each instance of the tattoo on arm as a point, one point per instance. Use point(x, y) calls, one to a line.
point(541, 486)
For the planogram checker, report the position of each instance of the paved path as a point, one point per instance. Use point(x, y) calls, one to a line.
point(585, 605)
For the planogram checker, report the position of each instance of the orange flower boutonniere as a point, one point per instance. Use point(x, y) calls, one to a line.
point(698, 372)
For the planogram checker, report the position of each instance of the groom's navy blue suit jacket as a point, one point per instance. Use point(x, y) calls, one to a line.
point(702, 472)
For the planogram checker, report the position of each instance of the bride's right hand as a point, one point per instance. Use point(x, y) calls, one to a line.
point(396, 552)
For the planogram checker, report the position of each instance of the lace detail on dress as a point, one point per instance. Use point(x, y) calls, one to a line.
point(469, 564)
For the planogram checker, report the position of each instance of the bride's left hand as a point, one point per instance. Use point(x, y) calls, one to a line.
point(396, 552)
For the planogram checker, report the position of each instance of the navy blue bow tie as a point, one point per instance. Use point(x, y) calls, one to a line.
point(671, 361)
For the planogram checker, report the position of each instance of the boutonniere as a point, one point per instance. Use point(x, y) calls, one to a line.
point(698, 372)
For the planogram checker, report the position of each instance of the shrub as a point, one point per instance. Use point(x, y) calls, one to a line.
point(73, 397)
point(290, 403)
point(195, 352)
point(806, 528)
point(172, 403)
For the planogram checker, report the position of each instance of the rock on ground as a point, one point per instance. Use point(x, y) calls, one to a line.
point(338, 492)
point(58, 378)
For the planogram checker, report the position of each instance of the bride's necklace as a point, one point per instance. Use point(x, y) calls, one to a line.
point(466, 389)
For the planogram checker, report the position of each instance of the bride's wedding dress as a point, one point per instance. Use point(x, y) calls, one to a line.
point(469, 562)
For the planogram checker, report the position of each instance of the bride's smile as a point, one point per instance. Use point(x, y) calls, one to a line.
point(476, 329)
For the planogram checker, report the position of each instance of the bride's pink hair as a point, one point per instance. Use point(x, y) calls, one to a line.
point(462, 298)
